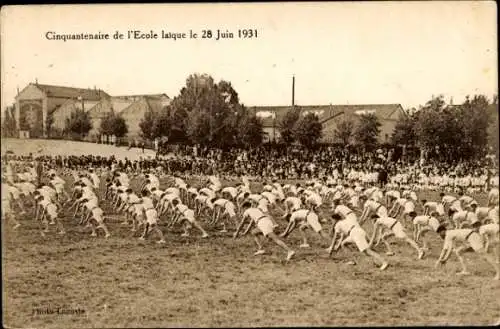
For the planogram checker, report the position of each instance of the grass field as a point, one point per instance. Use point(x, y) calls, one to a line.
point(123, 282)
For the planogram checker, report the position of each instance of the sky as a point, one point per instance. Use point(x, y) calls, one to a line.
point(340, 53)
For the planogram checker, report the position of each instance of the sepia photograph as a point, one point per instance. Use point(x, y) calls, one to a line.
point(284, 164)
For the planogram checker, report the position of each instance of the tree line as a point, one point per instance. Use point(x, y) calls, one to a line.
point(464, 131)
point(210, 114)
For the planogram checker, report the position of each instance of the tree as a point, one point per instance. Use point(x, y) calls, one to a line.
point(475, 119)
point(453, 132)
point(493, 128)
point(9, 128)
point(120, 128)
point(287, 124)
point(78, 124)
point(249, 129)
point(49, 121)
point(308, 130)
point(199, 127)
point(162, 126)
point(147, 126)
point(367, 130)
point(404, 131)
point(205, 111)
point(344, 131)
point(113, 125)
point(178, 130)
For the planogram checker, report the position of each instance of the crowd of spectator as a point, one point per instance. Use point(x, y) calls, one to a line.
point(290, 163)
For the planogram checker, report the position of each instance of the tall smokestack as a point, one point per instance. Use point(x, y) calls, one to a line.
point(293, 91)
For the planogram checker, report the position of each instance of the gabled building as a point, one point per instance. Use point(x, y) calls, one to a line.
point(101, 109)
point(37, 101)
point(134, 113)
point(330, 116)
point(61, 113)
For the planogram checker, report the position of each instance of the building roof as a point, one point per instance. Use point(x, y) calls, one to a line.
point(326, 112)
point(70, 92)
point(118, 105)
point(101, 108)
point(149, 96)
point(157, 105)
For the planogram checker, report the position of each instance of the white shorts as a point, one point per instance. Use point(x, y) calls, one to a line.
point(263, 207)
point(98, 215)
point(440, 209)
point(230, 211)
point(265, 225)
point(382, 212)
point(313, 222)
point(152, 217)
point(189, 215)
point(399, 231)
point(456, 206)
point(409, 207)
point(138, 209)
point(493, 215)
point(489, 229)
point(476, 241)
point(51, 210)
point(351, 217)
point(59, 189)
point(358, 236)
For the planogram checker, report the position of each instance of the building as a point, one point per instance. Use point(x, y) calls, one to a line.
point(135, 112)
point(37, 101)
point(330, 116)
point(103, 108)
point(61, 113)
